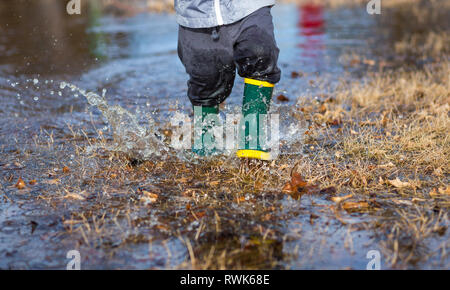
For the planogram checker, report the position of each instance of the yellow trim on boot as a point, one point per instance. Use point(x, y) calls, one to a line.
point(254, 154)
point(258, 83)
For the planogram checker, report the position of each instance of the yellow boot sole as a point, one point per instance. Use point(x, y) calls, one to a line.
point(253, 154)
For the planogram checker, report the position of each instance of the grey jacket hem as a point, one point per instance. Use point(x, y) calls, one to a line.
point(230, 14)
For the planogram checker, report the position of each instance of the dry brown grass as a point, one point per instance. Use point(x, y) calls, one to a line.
point(394, 125)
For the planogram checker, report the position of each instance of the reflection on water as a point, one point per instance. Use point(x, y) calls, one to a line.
point(312, 24)
point(37, 37)
point(135, 59)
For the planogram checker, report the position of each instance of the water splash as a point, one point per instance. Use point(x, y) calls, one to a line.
point(137, 141)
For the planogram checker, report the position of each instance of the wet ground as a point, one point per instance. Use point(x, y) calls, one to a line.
point(165, 212)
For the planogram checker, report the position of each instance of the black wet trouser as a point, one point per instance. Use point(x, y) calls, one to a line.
point(211, 56)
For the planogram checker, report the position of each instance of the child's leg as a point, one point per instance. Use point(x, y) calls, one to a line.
point(256, 56)
point(210, 65)
point(255, 49)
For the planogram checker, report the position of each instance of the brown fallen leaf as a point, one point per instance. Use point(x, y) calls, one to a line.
point(198, 215)
point(240, 199)
point(402, 201)
point(66, 169)
point(398, 183)
point(149, 194)
point(190, 192)
point(354, 62)
point(162, 227)
point(295, 74)
point(328, 190)
point(295, 184)
point(416, 199)
point(148, 197)
point(287, 188)
point(52, 181)
point(338, 199)
point(312, 217)
point(370, 62)
point(282, 98)
point(298, 186)
point(32, 182)
point(350, 205)
point(20, 184)
point(76, 196)
point(334, 122)
point(297, 180)
point(387, 165)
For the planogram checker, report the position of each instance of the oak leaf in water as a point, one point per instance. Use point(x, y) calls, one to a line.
point(72, 195)
point(52, 181)
point(350, 205)
point(370, 62)
point(398, 183)
point(282, 98)
point(240, 199)
point(198, 215)
point(295, 184)
point(148, 197)
point(20, 184)
point(295, 74)
point(338, 199)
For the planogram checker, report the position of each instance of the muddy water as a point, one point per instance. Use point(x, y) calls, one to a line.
point(134, 59)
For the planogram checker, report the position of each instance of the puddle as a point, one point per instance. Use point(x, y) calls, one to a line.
point(63, 85)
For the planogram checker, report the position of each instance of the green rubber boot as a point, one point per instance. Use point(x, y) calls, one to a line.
point(205, 118)
point(253, 132)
